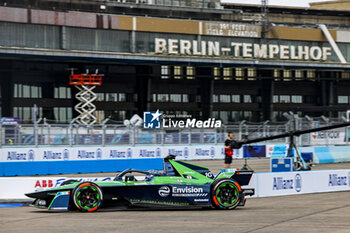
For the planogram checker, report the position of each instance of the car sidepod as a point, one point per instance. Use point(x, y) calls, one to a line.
point(163, 194)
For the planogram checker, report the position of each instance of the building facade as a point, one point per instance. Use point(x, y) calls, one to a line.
point(205, 60)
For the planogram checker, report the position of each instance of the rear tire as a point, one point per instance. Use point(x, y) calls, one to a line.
point(87, 197)
point(225, 194)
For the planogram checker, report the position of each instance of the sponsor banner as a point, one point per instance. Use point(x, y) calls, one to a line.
point(276, 150)
point(183, 191)
point(19, 154)
point(253, 151)
point(15, 188)
point(10, 120)
point(322, 154)
point(328, 137)
point(206, 152)
point(148, 152)
point(288, 183)
point(183, 152)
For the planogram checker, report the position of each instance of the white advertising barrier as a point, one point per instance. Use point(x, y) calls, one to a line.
point(289, 183)
point(329, 137)
point(16, 187)
point(185, 152)
point(265, 184)
point(278, 150)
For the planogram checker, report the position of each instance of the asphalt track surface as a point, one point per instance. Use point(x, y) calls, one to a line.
point(326, 212)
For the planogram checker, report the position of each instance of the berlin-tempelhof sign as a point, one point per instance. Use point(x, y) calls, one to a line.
point(245, 50)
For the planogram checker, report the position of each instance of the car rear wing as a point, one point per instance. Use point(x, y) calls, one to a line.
point(242, 176)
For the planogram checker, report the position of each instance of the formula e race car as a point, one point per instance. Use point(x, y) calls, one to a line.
point(180, 184)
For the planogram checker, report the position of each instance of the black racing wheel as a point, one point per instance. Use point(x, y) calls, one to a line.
point(87, 197)
point(225, 194)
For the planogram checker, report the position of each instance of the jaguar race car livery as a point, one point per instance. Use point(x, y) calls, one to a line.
point(179, 184)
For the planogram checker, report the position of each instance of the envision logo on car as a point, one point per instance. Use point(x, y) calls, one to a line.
point(164, 191)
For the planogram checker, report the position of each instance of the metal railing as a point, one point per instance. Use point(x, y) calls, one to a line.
point(42, 133)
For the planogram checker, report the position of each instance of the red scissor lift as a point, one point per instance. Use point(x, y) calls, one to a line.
point(85, 83)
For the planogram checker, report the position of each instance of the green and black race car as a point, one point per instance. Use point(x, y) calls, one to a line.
point(179, 184)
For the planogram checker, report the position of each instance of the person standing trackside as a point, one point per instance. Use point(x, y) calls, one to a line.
point(228, 150)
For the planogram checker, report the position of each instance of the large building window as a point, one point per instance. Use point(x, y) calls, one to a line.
point(63, 114)
point(27, 91)
point(177, 72)
point(215, 98)
point(247, 99)
point(311, 74)
point(62, 93)
point(100, 115)
point(224, 116)
point(251, 73)
point(115, 115)
point(277, 74)
point(163, 97)
point(345, 75)
point(25, 114)
point(297, 99)
point(217, 73)
point(225, 98)
point(343, 99)
point(227, 73)
point(284, 99)
point(299, 74)
point(175, 98)
point(287, 99)
point(100, 97)
point(239, 72)
point(190, 72)
point(236, 98)
point(287, 75)
point(185, 98)
point(164, 72)
point(236, 116)
point(112, 97)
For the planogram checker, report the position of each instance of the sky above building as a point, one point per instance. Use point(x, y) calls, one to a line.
point(297, 3)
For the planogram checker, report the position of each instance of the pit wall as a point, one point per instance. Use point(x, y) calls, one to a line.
point(16, 161)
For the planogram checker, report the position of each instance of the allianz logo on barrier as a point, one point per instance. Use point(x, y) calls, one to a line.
point(335, 180)
point(84, 154)
point(203, 152)
point(150, 153)
point(48, 154)
point(175, 152)
point(279, 183)
point(120, 154)
point(14, 155)
point(179, 152)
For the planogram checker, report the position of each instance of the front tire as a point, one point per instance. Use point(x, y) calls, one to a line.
point(87, 197)
point(225, 194)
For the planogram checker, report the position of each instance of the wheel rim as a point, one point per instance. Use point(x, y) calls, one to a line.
point(227, 194)
point(88, 197)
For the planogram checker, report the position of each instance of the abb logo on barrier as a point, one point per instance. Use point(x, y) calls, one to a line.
point(43, 184)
